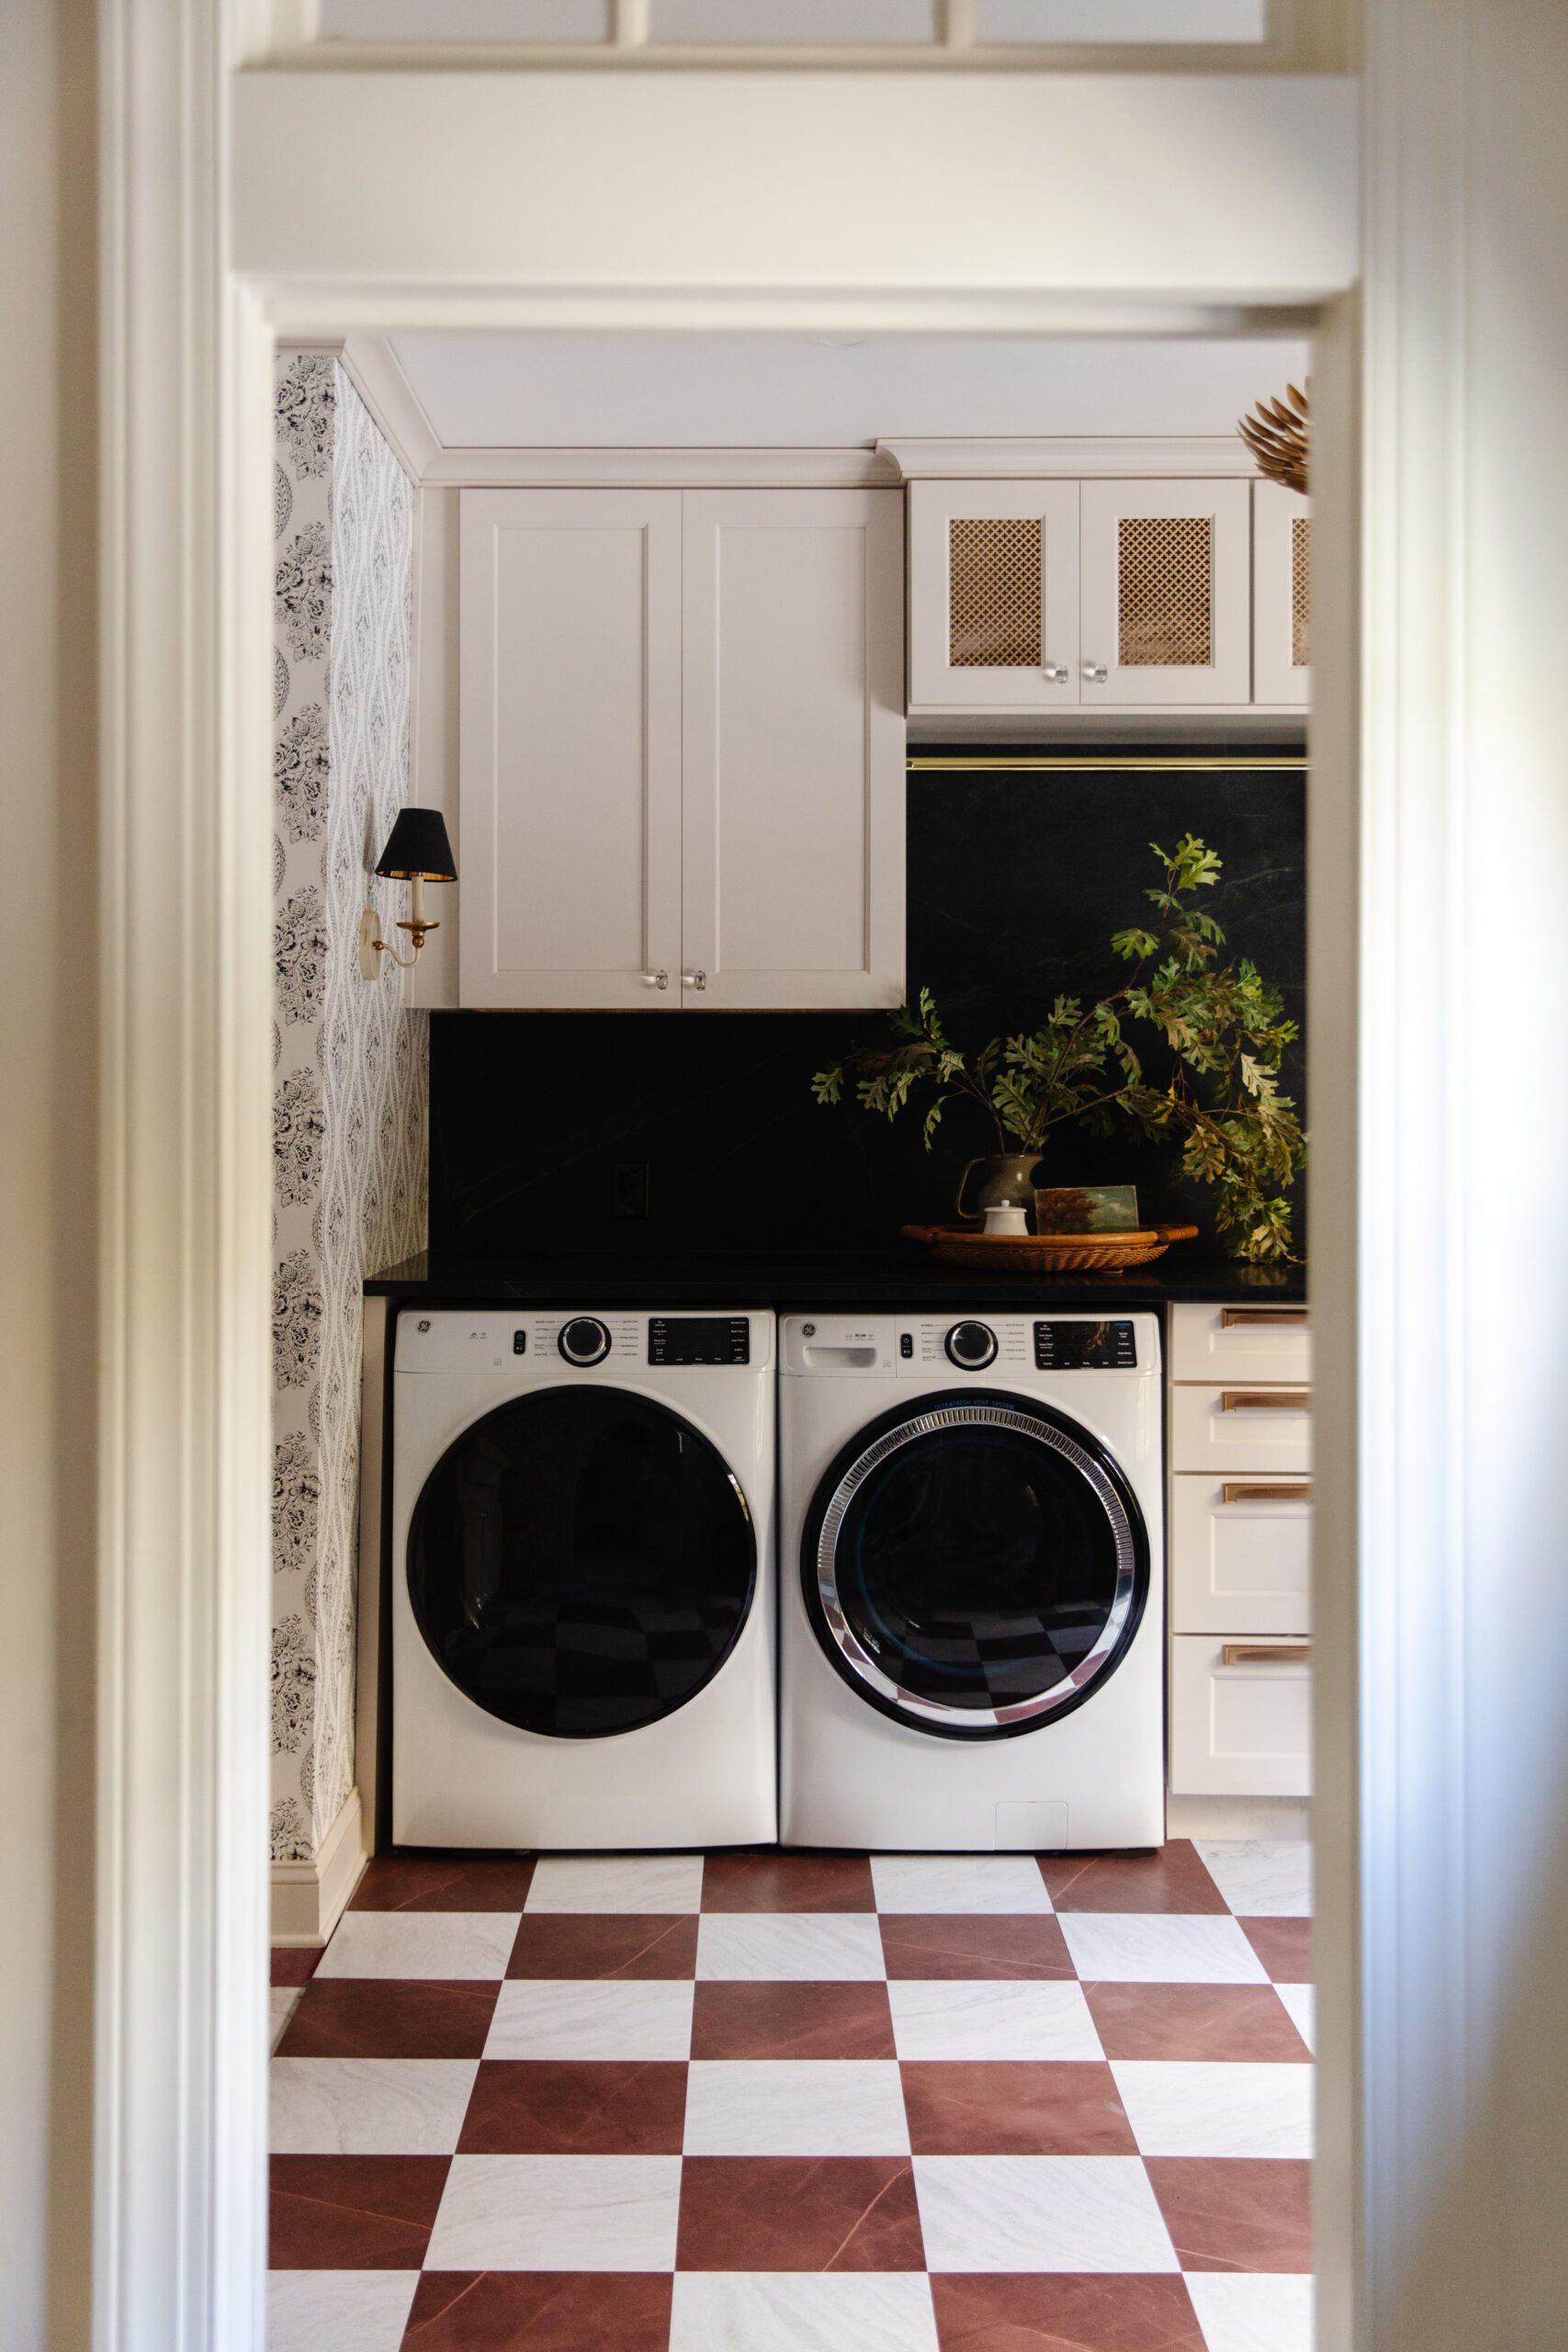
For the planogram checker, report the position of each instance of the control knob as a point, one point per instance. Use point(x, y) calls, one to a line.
point(584, 1340)
point(971, 1346)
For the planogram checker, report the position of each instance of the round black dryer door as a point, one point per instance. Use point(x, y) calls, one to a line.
point(580, 1561)
point(975, 1565)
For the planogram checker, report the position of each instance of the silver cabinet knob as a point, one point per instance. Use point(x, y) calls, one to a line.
point(1096, 672)
point(1055, 674)
point(694, 979)
point(656, 979)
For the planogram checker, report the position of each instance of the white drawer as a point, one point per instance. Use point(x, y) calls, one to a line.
point(1241, 1729)
point(1240, 1555)
point(1238, 1343)
point(1242, 1430)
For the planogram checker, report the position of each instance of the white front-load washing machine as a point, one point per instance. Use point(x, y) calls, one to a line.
point(583, 1594)
point(971, 1603)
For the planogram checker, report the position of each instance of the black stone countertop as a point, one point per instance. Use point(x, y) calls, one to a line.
point(905, 1278)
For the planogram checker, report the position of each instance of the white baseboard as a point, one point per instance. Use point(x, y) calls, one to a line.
point(1237, 1817)
point(309, 1898)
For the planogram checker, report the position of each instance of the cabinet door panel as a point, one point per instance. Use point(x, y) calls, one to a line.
point(1167, 591)
point(1281, 594)
point(794, 801)
point(570, 760)
point(993, 595)
point(1240, 1728)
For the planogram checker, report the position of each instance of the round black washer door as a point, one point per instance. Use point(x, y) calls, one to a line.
point(975, 1565)
point(580, 1561)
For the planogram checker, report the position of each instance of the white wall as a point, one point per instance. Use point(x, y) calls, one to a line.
point(47, 1082)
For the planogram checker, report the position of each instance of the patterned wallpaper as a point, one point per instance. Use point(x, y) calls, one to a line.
point(349, 1097)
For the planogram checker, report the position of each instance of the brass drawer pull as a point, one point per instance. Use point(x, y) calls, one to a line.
point(1265, 1400)
point(1287, 1491)
point(1266, 1654)
point(1241, 1318)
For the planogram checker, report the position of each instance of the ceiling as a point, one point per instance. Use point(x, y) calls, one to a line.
point(757, 391)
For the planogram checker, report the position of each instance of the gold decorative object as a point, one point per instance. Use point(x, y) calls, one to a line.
point(1047, 1253)
point(1279, 435)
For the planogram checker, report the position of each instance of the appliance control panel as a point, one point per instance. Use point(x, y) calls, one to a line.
point(986, 1346)
point(699, 1339)
point(539, 1348)
point(1077, 1346)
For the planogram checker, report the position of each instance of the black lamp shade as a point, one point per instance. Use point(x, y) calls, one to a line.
point(418, 844)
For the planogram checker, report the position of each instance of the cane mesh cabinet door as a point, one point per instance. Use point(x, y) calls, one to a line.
point(1167, 594)
point(570, 771)
point(993, 595)
point(1282, 596)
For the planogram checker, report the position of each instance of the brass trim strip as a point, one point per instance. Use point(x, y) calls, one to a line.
point(1266, 1654)
point(1128, 763)
point(1242, 1318)
point(1282, 1491)
point(1265, 1400)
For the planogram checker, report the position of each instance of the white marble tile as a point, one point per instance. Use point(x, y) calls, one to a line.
point(832, 2106)
point(1302, 2002)
point(779, 1947)
point(958, 1882)
point(1159, 1947)
point(957, 2017)
point(353, 2311)
point(433, 1944)
point(284, 2001)
point(1261, 1877)
point(1252, 2312)
point(1040, 2214)
point(368, 2106)
point(558, 2213)
point(617, 1883)
point(791, 2311)
point(581, 2017)
point(1180, 2109)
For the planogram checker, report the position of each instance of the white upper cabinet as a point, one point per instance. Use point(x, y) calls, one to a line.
point(1166, 593)
point(683, 749)
point(993, 595)
point(1281, 594)
point(570, 756)
point(793, 749)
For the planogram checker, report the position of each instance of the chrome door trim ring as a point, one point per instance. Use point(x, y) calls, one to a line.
point(865, 1668)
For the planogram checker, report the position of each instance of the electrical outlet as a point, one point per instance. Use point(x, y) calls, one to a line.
point(629, 1189)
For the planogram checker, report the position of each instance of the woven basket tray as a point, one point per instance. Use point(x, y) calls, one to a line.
point(1047, 1253)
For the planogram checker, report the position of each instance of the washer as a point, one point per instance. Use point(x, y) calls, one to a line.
point(582, 1601)
point(972, 1605)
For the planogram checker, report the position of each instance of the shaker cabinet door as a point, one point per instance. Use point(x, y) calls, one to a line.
point(1166, 593)
point(571, 757)
point(794, 750)
point(993, 595)
point(1281, 594)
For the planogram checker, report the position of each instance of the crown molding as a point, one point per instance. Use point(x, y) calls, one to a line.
point(1157, 456)
point(377, 374)
point(660, 468)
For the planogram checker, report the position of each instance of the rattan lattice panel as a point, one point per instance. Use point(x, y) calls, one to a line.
point(1301, 591)
point(1165, 567)
point(994, 608)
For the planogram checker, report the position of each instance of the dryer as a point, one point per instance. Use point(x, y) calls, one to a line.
point(972, 1581)
point(583, 1590)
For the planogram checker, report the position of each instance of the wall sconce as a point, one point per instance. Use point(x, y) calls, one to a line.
point(417, 852)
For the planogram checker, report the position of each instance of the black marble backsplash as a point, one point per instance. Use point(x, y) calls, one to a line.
point(543, 1124)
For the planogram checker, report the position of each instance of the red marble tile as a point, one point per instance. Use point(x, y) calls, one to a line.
point(548, 2310)
point(368, 2017)
point(787, 1882)
point(799, 2213)
point(1236, 2213)
point(543, 2108)
point(604, 1943)
point(1064, 2312)
point(353, 2212)
point(1003, 2109)
point(792, 2020)
point(1171, 1878)
point(973, 1943)
point(1284, 1946)
point(443, 1883)
point(293, 1967)
point(1240, 2023)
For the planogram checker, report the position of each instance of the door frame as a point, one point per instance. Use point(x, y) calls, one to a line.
point(192, 308)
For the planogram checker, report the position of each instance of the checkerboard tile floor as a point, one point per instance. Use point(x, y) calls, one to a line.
point(766, 2102)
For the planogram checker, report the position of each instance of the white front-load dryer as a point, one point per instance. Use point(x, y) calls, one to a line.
point(582, 1594)
point(972, 1598)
